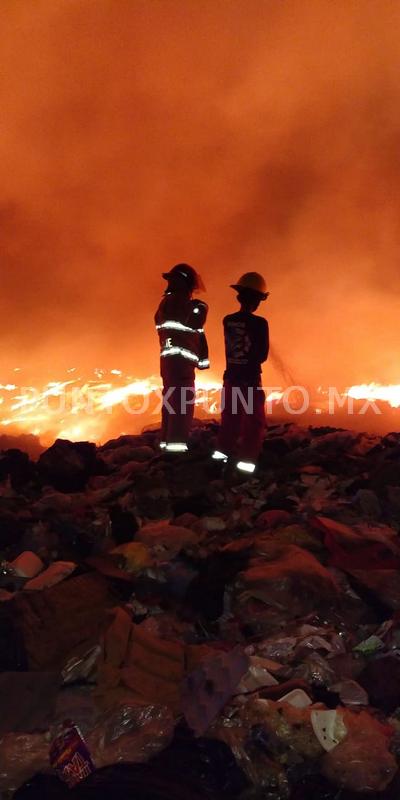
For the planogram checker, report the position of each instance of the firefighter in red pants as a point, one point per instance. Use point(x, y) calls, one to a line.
point(183, 347)
point(243, 400)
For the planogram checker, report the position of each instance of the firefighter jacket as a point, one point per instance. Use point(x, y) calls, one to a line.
point(180, 325)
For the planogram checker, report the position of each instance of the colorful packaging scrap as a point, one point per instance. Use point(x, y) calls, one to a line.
point(69, 755)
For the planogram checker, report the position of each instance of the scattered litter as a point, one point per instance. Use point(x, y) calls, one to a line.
point(185, 637)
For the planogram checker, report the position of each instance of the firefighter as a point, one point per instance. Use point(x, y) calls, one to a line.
point(243, 400)
point(180, 323)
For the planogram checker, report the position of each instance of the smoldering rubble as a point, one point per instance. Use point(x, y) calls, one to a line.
point(156, 612)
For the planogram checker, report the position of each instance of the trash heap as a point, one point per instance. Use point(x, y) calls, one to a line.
point(168, 633)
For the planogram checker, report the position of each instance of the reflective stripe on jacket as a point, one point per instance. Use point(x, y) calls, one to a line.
point(180, 325)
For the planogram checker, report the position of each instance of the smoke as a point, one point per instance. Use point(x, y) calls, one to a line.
point(282, 369)
point(234, 135)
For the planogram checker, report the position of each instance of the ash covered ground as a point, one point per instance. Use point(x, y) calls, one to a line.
point(248, 633)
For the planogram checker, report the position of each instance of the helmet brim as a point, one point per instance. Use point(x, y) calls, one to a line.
point(198, 285)
point(238, 288)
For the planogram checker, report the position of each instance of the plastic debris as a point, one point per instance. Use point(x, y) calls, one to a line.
point(131, 732)
point(329, 728)
point(27, 565)
point(248, 633)
point(207, 689)
point(297, 698)
point(70, 756)
point(50, 576)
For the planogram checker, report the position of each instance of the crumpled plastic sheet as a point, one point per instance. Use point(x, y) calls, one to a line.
point(80, 668)
point(305, 640)
point(253, 747)
point(279, 649)
point(21, 755)
point(257, 677)
point(207, 689)
point(351, 693)
point(131, 733)
point(316, 670)
point(270, 739)
point(361, 763)
point(263, 773)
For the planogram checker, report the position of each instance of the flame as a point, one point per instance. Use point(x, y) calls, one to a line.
point(81, 407)
point(115, 396)
point(98, 406)
point(377, 391)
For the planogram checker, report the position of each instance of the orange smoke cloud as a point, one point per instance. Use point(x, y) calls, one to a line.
point(254, 134)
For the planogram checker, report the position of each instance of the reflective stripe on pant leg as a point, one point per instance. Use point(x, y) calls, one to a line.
point(176, 447)
point(218, 456)
point(245, 466)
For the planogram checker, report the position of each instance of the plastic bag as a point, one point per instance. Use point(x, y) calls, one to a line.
point(266, 738)
point(80, 668)
point(133, 556)
point(166, 540)
point(315, 670)
point(131, 733)
point(280, 648)
point(208, 688)
point(21, 755)
point(287, 578)
point(287, 728)
point(351, 693)
point(249, 745)
point(362, 762)
point(27, 564)
point(256, 677)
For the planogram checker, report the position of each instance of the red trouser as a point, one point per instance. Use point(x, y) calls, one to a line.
point(242, 421)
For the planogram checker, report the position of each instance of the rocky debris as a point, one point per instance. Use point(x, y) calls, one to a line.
point(248, 631)
point(68, 465)
point(17, 467)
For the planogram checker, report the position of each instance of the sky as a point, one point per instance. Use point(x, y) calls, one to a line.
point(234, 135)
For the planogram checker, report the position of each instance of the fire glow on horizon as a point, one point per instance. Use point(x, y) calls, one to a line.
point(110, 403)
point(138, 134)
point(257, 135)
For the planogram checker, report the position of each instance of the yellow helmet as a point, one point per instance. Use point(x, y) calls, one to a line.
point(253, 281)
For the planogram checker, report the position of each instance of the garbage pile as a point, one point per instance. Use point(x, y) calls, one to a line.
point(169, 632)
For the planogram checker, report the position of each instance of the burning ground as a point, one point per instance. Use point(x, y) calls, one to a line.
point(105, 403)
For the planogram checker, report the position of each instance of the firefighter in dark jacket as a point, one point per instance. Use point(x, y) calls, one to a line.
point(243, 399)
point(180, 323)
